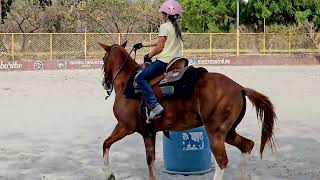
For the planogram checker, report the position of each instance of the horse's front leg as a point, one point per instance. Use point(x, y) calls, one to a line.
point(150, 143)
point(117, 134)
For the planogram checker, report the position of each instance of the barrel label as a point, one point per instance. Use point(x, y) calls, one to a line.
point(192, 141)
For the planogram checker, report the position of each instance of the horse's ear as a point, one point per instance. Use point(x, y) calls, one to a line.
point(104, 46)
point(124, 44)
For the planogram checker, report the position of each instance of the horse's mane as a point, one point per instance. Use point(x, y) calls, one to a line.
point(131, 63)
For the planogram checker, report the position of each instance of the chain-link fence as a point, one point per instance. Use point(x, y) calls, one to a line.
point(49, 46)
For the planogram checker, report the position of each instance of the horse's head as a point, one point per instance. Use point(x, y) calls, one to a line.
point(114, 55)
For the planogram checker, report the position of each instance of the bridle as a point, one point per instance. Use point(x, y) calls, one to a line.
point(109, 86)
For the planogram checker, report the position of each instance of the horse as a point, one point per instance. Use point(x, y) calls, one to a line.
point(217, 102)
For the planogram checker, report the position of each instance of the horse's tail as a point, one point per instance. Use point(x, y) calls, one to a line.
point(266, 114)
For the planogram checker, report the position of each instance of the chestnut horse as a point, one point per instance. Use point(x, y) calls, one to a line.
point(217, 102)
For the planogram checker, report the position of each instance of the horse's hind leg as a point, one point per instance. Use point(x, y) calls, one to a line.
point(220, 155)
point(117, 134)
point(243, 144)
point(218, 124)
point(150, 143)
point(217, 131)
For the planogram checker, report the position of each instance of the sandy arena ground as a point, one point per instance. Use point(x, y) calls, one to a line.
point(53, 123)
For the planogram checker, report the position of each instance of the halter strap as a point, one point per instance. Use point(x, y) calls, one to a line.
point(123, 64)
point(110, 89)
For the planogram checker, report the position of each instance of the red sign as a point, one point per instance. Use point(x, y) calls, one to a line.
point(198, 61)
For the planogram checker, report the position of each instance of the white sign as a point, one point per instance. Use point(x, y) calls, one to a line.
point(85, 64)
point(38, 65)
point(61, 65)
point(192, 141)
point(10, 65)
point(196, 136)
point(218, 61)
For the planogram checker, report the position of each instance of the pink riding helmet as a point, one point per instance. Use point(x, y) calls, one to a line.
point(171, 7)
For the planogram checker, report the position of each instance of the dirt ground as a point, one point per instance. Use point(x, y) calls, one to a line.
point(53, 123)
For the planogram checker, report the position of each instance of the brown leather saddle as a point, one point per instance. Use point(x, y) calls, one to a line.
point(174, 72)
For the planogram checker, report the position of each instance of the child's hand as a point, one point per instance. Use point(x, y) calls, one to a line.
point(147, 59)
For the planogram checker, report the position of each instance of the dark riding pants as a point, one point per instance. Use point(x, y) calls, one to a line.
point(153, 70)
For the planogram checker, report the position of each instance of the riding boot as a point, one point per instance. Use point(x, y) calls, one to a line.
point(155, 112)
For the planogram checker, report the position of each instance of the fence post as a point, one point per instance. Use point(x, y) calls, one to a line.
point(85, 45)
point(51, 51)
point(317, 42)
point(313, 42)
point(264, 35)
point(12, 46)
point(150, 38)
point(238, 42)
point(264, 43)
point(119, 38)
point(289, 43)
point(210, 44)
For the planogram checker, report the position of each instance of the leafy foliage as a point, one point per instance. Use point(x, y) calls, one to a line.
point(5, 8)
point(143, 15)
point(219, 15)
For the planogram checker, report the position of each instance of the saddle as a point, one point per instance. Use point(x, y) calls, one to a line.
point(178, 80)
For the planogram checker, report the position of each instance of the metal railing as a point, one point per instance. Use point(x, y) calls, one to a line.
point(54, 46)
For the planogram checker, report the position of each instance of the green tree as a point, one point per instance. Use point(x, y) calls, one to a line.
point(220, 15)
point(5, 8)
point(289, 12)
point(208, 15)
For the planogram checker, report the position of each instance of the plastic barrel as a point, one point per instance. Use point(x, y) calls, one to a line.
point(187, 152)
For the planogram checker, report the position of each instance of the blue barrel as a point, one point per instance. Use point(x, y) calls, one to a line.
point(187, 152)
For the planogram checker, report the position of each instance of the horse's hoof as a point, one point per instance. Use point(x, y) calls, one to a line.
point(111, 177)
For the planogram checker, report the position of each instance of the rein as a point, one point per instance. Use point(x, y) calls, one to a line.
point(109, 87)
point(124, 63)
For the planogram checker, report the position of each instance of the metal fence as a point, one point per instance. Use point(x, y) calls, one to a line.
point(54, 46)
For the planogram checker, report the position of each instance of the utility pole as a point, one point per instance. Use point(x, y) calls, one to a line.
point(238, 24)
point(238, 27)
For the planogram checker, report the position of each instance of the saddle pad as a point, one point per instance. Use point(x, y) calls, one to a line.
point(129, 91)
point(183, 88)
